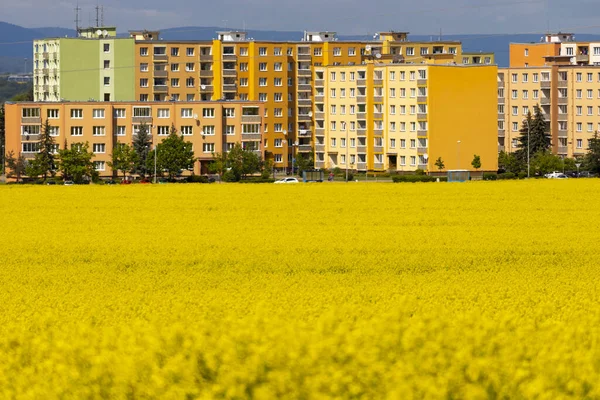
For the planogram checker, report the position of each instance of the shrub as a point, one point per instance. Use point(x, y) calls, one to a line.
point(257, 180)
point(413, 178)
point(229, 176)
point(419, 172)
point(522, 175)
point(506, 175)
point(197, 179)
point(350, 176)
point(488, 176)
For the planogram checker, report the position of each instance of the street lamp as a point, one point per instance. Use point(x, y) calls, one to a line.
point(347, 160)
point(458, 154)
point(528, 133)
point(155, 151)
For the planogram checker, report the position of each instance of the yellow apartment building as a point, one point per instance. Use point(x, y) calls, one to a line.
point(211, 126)
point(402, 117)
point(569, 96)
point(279, 74)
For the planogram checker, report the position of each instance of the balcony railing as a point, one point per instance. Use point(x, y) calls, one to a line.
point(563, 100)
point(319, 115)
point(304, 72)
point(377, 115)
point(305, 148)
point(421, 116)
point(229, 87)
point(229, 57)
point(377, 149)
point(582, 58)
point(421, 132)
point(361, 149)
point(206, 57)
point(361, 115)
point(160, 73)
point(422, 166)
point(545, 84)
point(319, 164)
point(304, 57)
point(361, 166)
point(361, 99)
point(377, 82)
point(421, 82)
point(562, 83)
point(421, 99)
point(377, 165)
point(562, 132)
point(31, 138)
point(304, 102)
point(378, 132)
point(320, 132)
point(142, 120)
point(228, 72)
point(304, 132)
point(545, 101)
point(304, 88)
point(500, 117)
point(501, 100)
point(562, 150)
point(320, 148)
point(251, 136)
point(319, 82)
point(207, 88)
point(361, 82)
point(377, 99)
point(421, 150)
point(251, 118)
point(304, 117)
point(160, 57)
point(160, 88)
point(206, 73)
point(501, 133)
point(361, 132)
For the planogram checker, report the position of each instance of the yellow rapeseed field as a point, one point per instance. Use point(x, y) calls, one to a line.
point(482, 290)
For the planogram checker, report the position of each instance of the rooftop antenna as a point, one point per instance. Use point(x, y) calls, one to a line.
point(97, 16)
point(77, 27)
point(101, 15)
point(440, 34)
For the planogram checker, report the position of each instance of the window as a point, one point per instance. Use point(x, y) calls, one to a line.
point(163, 113)
point(578, 93)
point(262, 81)
point(278, 82)
point(278, 112)
point(106, 64)
point(536, 77)
point(332, 125)
point(77, 131)
point(143, 51)
point(525, 94)
point(515, 94)
point(515, 126)
point(590, 77)
point(54, 131)
point(189, 51)
point(410, 51)
point(208, 147)
point(208, 130)
point(186, 113)
point(332, 77)
point(163, 130)
point(590, 110)
point(52, 113)
point(243, 67)
point(525, 110)
point(579, 127)
point(278, 66)
point(99, 148)
point(98, 131)
point(262, 97)
point(337, 51)
point(392, 92)
point(514, 78)
point(580, 141)
point(413, 160)
point(392, 109)
point(208, 112)
point(590, 127)
point(106, 81)
point(332, 93)
point(230, 130)
point(317, 52)
point(189, 67)
point(262, 51)
point(333, 142)
point(536, 94)
point(525, 78)
point(144, 82)
point(76, 113)
point(187, 130)
point(579, 110)
point(175, 51)
point(98, 113)
point(578, 76)
point(590, 94)
point(119, 113)
point(144, 67)
point(143, 97)
point(99, 165)
point(189, 82)
point(262, 66)
point(174, 67)
point(175, 82)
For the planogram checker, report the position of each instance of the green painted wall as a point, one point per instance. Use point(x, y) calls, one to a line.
point(124, 73)
point(82, 73)
point(79, 75)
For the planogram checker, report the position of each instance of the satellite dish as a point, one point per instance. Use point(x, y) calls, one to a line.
point(310, 113)
point(378, 55)
point(284, 132)
point(195, 116)
point(105, 32)
point(368, 47)
point(202, 87)
point(425, 156)
point(99, 32)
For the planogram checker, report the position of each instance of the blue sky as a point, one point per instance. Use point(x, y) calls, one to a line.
point(343, 16)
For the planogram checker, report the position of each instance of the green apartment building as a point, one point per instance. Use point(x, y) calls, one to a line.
point(96, 65)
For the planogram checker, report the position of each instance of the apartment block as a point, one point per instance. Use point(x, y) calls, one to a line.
point(569, 97)
point(554, 48)
point(211, 126)
point(400, 117)
point(94, 66)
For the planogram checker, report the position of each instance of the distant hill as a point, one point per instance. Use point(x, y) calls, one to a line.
point(18, 40)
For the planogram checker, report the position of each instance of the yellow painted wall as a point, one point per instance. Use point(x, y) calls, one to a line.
point(462, 105)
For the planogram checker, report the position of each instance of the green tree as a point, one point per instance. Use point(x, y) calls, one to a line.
point(218, 164)
point(544, 162)
point(76, 162)
point(123, 158)
point(592, 158)
point(439, 163)
point(45, 158)
point(24, 96)
point(476, 163)
point(508, 162)
point(173, 154)
point(251, 162)
point(142, 144)
point(16, 165)
point(266, 168)
point(303, 163)
point(569, 164)
point(539, 140)
point(235, 163)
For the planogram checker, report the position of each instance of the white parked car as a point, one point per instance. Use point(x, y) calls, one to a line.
point(287, 180)
point(556, 175)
